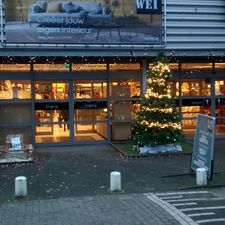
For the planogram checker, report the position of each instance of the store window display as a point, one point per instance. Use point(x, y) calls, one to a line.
point(220, 107)
point(124, 66)
point(196, 87)
point(50, 67)
point(196, 68)
point(125, 89)
point(220, 87)
point(14, 67)
point(94, 89)
point(89, 67)
point(15, 89)
point(47, 90)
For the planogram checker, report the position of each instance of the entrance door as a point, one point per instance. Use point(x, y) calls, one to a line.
point(52, 112)
point(90, 110)
point(70, 112)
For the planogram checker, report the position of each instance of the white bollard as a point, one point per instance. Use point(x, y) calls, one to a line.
point(20, 186)
point(201, 176)
point(115, 181)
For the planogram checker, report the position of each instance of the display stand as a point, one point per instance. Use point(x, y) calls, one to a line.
point(15, 151)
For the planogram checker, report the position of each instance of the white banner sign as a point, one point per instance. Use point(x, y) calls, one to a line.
point(16, 144)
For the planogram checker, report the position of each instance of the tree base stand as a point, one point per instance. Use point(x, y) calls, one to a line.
point(160, 148)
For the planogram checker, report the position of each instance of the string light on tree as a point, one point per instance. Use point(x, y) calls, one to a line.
point(157, 120)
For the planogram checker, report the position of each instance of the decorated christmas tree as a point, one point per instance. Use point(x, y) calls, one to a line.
point(157, 119)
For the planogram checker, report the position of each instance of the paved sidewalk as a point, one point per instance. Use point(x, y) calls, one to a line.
point(133, 209)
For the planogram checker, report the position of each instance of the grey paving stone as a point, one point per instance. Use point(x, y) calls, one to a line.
point(132, 209)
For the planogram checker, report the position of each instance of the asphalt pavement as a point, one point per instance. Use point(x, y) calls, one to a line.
point(71, 184)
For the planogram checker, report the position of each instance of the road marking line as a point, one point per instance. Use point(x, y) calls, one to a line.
point(195, 199)
point(202, 208)
point(185, 204)
point(201, 214)
point(172, 197)
point(182, 193)
point(174, 212)
point(211, 220)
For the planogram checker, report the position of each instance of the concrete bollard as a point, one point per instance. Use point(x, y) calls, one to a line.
point(201, 176)
point(115, 181)
point(20, 186)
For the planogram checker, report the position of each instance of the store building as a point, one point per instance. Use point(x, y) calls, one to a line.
point(73, 73)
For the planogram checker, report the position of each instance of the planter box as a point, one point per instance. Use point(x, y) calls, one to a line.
point(160, 149)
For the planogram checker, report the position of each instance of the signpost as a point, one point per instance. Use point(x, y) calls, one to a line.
point(202, 155)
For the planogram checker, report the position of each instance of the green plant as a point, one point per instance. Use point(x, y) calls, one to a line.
point(157, 120)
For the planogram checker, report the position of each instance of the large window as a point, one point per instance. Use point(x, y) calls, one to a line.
point(195, 87)
point(16, 118)
point(121, 67)
point(51, 67)
point(196, 67)
point(220, 87)
point(125, 91)
point(174, 67)
point(15, 113)
point(89, 67)
point(15, 89)
point(220, 66)
point(94, 89)
point(220, 106)
point(15, 67)
point(120, 88)
point(51, 90)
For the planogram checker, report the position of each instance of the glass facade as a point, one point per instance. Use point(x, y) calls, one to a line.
point(98, 102)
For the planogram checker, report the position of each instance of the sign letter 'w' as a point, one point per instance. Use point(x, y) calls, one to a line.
point(140, 4)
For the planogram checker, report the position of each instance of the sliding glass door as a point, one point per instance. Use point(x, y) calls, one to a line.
point(70, 111)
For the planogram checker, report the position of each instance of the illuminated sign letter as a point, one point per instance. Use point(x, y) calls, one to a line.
point(149, 6)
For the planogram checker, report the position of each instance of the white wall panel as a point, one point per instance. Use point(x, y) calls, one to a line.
point(195, 24)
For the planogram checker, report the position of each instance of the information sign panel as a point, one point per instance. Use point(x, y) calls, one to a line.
point(202, 155)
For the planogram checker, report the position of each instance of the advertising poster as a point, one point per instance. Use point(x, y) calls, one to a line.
point(84, 21)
